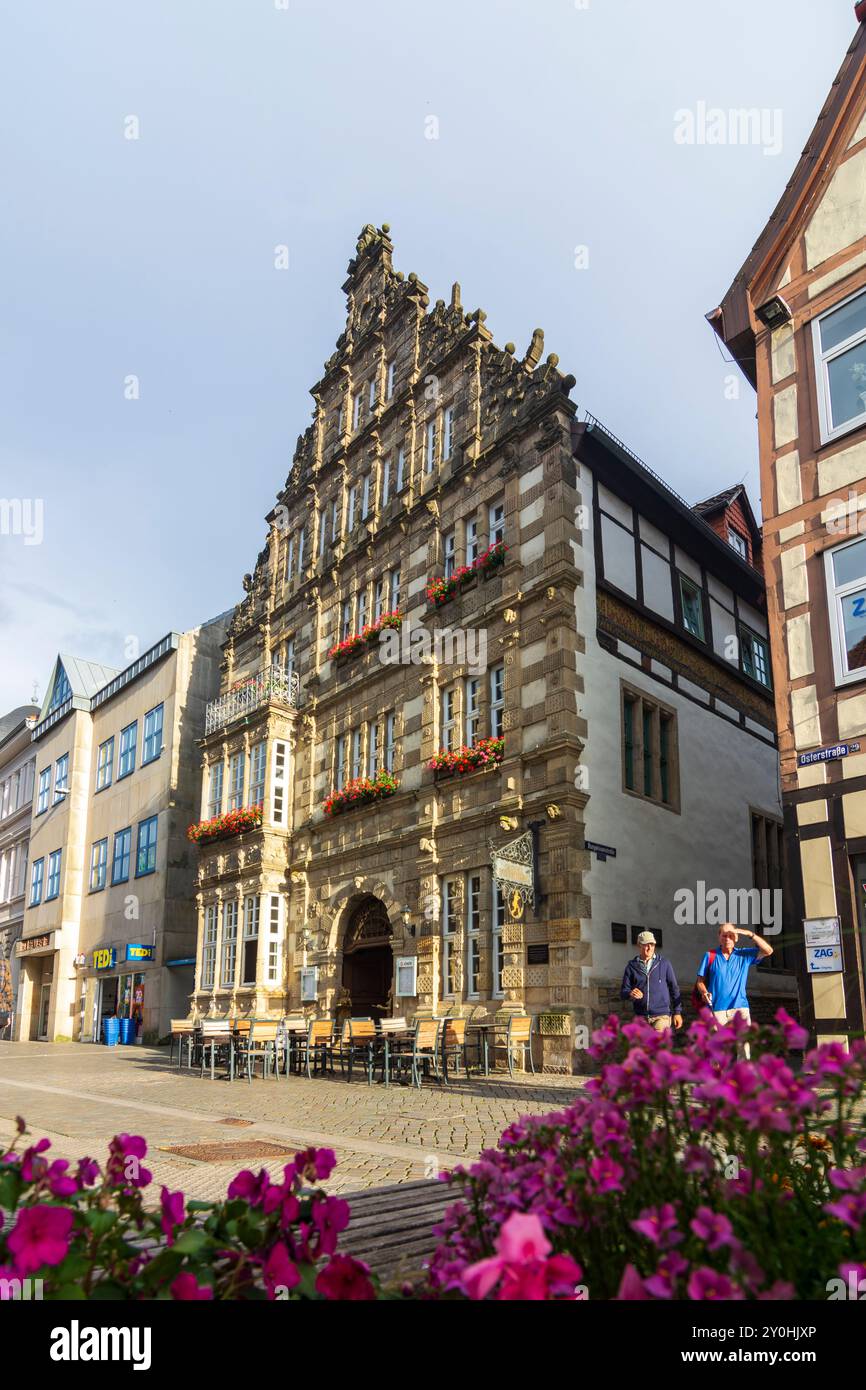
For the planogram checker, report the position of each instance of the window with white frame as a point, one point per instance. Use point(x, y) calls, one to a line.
point(692, 605)
point(209, 946)
point(450, 552)
point(372, 393)
point(496, 522)
point(471, 709)
point(390, 727)
point(335, 519)
point(289, 657)
point(61, 777)
point(341, 762)
point(357, 753)
point(275, 935)
point(497, 701)
point(385, 485)
point(302, 536)
point(755, 656)
point(279, 788)
point(449, 719)
point(389, 379)
point(353, 506)
point(236, 781)
point(258, 754)
point(473, 935)
point(400, 479)
point(845, 570)
point(362, 610)
point(346, 620)
point(250, 955)
point(431, 445)
point(366, 490)
point(497, 941)
point(472, 548)
point(840, 362)
point(738, 543)
point(323, 533)
point(451, 895)
point(394, 597)
point(228, 963)
point(290, 560)
point(215, 789)
point(374, 752)
point(357, 406)
point(448, 432)
point(378, 600)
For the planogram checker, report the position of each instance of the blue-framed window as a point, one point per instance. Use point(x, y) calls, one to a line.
point(52, 886)
point(62, 689)
point(105, 764)
point(98, 865)
point(120, 858)
point(44, 790)
point(128, 740)
point(61, 777)
point(152, 745)
point(37, 874)
point(145, 858)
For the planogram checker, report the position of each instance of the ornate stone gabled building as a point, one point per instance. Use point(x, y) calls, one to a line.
point(422, 589)
point(425, 436)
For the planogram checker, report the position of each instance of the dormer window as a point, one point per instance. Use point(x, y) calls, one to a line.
point(738, 543)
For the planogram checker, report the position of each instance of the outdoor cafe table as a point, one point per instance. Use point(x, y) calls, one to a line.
point(482, 1040)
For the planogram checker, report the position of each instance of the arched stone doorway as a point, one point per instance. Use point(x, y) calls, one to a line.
point(368, 960)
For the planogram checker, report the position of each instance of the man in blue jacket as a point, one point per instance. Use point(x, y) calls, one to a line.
point(651, 985)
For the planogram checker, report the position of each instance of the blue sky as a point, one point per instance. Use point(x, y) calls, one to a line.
point(259, 126)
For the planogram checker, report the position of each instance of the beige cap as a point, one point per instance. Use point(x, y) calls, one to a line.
point(646, 938)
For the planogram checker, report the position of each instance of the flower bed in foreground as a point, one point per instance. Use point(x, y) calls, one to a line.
point(677, 1174)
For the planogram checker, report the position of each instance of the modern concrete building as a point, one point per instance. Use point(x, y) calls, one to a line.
point(795, 320)
point(110, 922)
point(478, 636)
point(17, 773)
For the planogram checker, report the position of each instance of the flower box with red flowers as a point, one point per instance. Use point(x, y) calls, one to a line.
point(487, 753)
point(441, 591)
point(358, 641)
point(223, 827)
point(361, 791)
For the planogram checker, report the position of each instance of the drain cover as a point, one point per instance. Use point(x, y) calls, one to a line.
point(225, 1153)
point(239, 1124)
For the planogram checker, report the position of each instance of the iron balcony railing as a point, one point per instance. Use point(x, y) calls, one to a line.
point(273, 686)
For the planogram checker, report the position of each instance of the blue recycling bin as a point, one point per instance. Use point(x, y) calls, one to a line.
point(110, 1031)
point(127, 1030)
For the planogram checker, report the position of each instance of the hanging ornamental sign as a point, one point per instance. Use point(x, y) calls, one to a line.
point(514, 872)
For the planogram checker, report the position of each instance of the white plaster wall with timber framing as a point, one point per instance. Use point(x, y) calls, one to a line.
point(724, 772)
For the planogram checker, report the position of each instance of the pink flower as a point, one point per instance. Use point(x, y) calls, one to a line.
point(280, 1271)
point(330, 1217)
point(187, 1289)
point(712, 1228)
point(662, 1284)
point(173, 1211)
point(606, 1174)
point(521, 1268)
point(41, 1237)
point(707, 1285)
point(522, 1238)
point(59, 1183)
point(345, 1280)
point(315, 1164)
point(631, 1287)
point(32, 1166)
point(249, 1186)
point(88, 1171)
point(795, 1037)
point(658, 1224)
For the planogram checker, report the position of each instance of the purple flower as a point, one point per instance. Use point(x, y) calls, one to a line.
point(606, 1174)
point(315, 1164)
point(173, 1209)
point(280, 1271)
point(712, 1228)
point(249, 1186)
point(345, 1279)
point(330, 1217)
point(706, 1285)
point(659, 1225)
point(187, 1289)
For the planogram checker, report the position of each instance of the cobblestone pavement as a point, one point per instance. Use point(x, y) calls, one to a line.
point(79, 1095)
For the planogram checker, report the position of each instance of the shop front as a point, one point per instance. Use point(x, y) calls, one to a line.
point(114, 988)
point(36, 956)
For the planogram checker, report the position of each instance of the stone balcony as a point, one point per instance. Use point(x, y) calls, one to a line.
point(271, 687)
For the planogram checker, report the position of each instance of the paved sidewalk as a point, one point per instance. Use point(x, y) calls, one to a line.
point(79, 1095)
